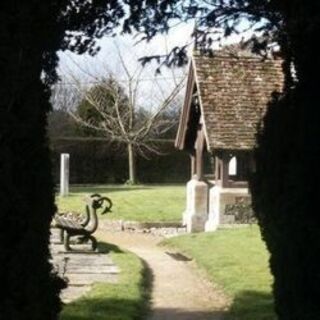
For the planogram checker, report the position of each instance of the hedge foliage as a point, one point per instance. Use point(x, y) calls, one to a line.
point(286, 184)
point(29, 285)
point(97, 161)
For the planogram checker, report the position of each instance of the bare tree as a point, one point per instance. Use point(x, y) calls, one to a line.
point(129, 111)
point(63, 98)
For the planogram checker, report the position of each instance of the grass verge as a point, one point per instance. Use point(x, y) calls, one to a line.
point(143, 203)
point(237, 260)
point(126, 300)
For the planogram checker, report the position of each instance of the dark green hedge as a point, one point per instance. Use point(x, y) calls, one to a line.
point(96, 161)
point(285, 188)
point(30, 36)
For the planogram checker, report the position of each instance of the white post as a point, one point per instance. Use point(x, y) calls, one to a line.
point(64, 174)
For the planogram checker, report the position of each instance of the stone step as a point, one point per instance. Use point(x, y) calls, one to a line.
point(93, 270)
point(74, 292)
point(82, 268)
point(76, 279)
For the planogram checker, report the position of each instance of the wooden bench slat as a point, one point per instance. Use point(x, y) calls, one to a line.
point(86, 228)
point(67, 223)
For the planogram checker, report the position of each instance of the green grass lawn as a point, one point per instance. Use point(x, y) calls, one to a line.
point(144, 203)
point(126, 300)
point(237, 260)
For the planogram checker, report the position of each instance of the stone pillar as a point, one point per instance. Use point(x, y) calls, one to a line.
point(64, 174)
point(196, 214)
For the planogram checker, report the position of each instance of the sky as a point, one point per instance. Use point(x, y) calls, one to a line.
point(89, 70)
point(131, 51)
point(107, 57)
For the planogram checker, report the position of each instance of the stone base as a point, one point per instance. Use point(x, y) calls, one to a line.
point(196, 214)
point(219, 198)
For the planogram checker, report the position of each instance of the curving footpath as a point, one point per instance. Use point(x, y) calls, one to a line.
point(179, 291)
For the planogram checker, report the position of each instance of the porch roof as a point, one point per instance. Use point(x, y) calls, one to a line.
point(233, 92)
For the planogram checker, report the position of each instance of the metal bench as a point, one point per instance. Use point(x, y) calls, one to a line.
point(83, 230)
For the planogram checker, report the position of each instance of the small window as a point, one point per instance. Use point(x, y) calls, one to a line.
point(233, 166)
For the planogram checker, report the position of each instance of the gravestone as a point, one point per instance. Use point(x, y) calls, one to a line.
point(64, 174)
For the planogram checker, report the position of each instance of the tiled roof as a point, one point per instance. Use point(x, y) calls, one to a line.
point(234, 92)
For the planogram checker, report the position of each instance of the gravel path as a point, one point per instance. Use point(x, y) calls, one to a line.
point(179, 292)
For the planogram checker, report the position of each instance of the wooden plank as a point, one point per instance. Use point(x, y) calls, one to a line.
point(225, 171)
point(193, 165)
point(216, 169)
point(200, 145)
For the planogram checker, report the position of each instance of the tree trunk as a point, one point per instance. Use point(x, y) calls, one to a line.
point(132, 164)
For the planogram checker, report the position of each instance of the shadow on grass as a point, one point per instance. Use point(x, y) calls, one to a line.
point(104, 247)
point(252, 305)
point(102, 309)
point(100, 306)
point(177, 314)
point(247, 305)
